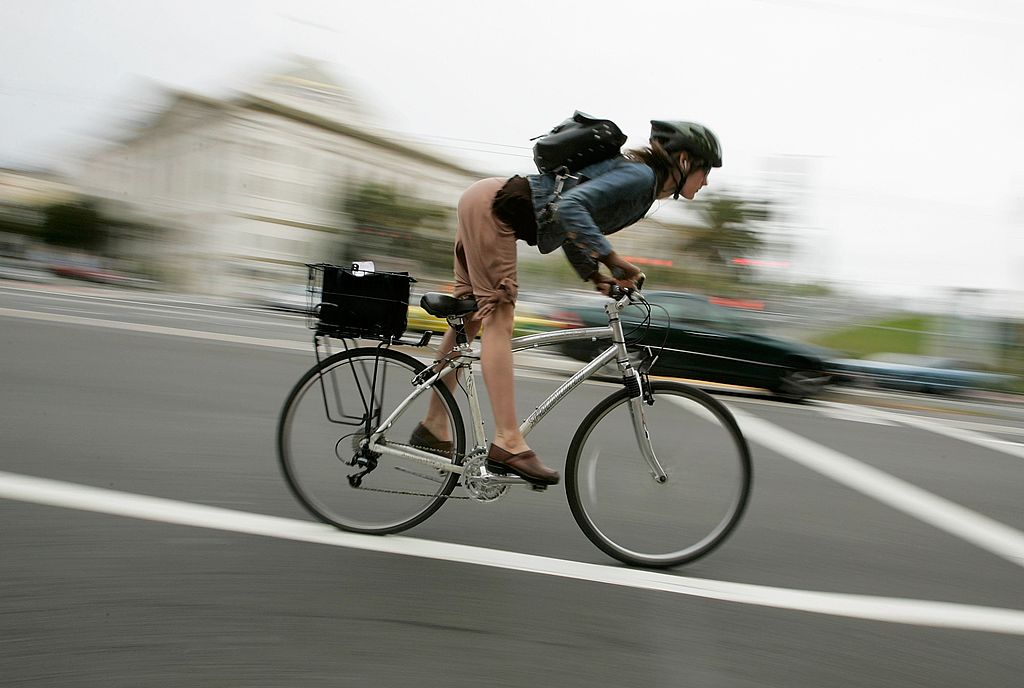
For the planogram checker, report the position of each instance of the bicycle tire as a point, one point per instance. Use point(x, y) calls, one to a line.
point(315, 453)
point(626, 513)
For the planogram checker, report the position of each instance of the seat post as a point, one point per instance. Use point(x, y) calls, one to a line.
point(458, 324)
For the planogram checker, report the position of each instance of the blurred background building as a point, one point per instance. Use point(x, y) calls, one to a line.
point(251, 186)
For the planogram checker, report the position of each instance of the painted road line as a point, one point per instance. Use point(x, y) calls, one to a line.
point(849, 413)
point(993, 428)
point(941, 513)
point(156, 329)
point(179, 310)
point(885, 609)
point(958, 433)
point(164, 300)
point(190, 314)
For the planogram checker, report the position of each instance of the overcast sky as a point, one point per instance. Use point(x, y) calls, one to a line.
point(905, 115)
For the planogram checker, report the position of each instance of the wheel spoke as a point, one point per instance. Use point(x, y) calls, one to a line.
point(323, 428)
point(627, 512)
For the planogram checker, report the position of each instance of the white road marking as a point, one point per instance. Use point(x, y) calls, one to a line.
point(940, 427)
point(140, 299)
point(873, 608)
point(993, 440)
point(984, 427)
point(850, 413)
point(192, 312)
point(192, 315)
point(971, 526)
point(157, 329)
point(178, 310)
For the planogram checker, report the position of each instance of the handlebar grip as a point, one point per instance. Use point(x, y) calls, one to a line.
point(617, 292)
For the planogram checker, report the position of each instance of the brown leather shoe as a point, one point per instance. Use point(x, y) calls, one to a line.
point(524, 464)
point(424, 439)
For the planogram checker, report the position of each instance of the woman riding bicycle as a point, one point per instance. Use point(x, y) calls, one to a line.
point(494, 213)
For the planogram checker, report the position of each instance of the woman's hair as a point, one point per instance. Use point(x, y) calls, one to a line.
point(658, 159)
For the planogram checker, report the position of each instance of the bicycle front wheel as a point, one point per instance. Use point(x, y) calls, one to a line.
point(331, 410)
point(629, 515)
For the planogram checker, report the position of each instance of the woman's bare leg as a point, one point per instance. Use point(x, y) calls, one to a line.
point(509, 452)
point(496, 361)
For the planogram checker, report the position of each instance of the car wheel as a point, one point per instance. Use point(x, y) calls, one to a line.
point(797, 384)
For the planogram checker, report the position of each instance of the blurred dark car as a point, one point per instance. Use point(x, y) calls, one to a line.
point(707, 342)
point(911, 373)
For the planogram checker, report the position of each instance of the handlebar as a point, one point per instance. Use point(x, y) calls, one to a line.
point(619, 293)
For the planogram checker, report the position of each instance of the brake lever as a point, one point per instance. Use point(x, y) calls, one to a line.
point(618, 293)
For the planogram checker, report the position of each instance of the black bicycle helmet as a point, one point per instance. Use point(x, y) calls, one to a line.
point(696, 139)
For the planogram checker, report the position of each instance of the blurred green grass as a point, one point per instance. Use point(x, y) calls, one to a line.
point(901, 335)
point(910, 334)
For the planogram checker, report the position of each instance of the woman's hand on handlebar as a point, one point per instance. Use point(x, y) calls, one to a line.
point(616, 288)
point(609, 285)
point(626, 278)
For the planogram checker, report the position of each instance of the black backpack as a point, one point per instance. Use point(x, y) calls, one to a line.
point(577, 142)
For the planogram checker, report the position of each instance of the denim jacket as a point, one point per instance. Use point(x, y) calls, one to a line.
point(607, 196)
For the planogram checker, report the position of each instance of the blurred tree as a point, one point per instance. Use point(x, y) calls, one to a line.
point(75, 225)
point(384, 224)
point(728, 230)
point(22, 220)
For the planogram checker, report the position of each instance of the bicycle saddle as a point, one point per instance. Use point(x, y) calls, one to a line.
point(444, 306)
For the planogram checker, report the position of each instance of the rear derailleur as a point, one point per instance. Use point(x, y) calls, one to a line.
point(363, 458)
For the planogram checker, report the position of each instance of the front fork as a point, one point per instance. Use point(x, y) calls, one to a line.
point(639, 389)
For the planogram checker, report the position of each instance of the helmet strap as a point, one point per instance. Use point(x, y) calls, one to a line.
point(679, 184)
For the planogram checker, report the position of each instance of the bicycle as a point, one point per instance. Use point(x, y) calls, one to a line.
point(657, 474)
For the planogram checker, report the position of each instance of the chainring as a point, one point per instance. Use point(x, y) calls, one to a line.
point(477, 479)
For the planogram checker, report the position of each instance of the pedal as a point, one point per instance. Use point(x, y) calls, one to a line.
point(538, 488)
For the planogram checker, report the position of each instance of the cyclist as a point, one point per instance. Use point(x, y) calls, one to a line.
point(494, 213)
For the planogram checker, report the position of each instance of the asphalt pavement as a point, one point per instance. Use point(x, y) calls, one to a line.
point(148, 537)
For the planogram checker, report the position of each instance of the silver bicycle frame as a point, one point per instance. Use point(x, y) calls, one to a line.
point(463, 358)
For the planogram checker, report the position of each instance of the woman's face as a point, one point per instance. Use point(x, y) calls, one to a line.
point(695, 181)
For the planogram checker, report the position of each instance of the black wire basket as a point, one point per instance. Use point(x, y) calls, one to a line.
point(347, 302)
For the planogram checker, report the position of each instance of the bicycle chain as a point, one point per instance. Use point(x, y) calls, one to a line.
point(412, 494)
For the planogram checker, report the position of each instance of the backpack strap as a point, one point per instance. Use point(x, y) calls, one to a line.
point(561, 174)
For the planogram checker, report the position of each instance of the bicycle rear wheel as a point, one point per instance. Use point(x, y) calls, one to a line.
point(628, 514)
point(323, 422)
